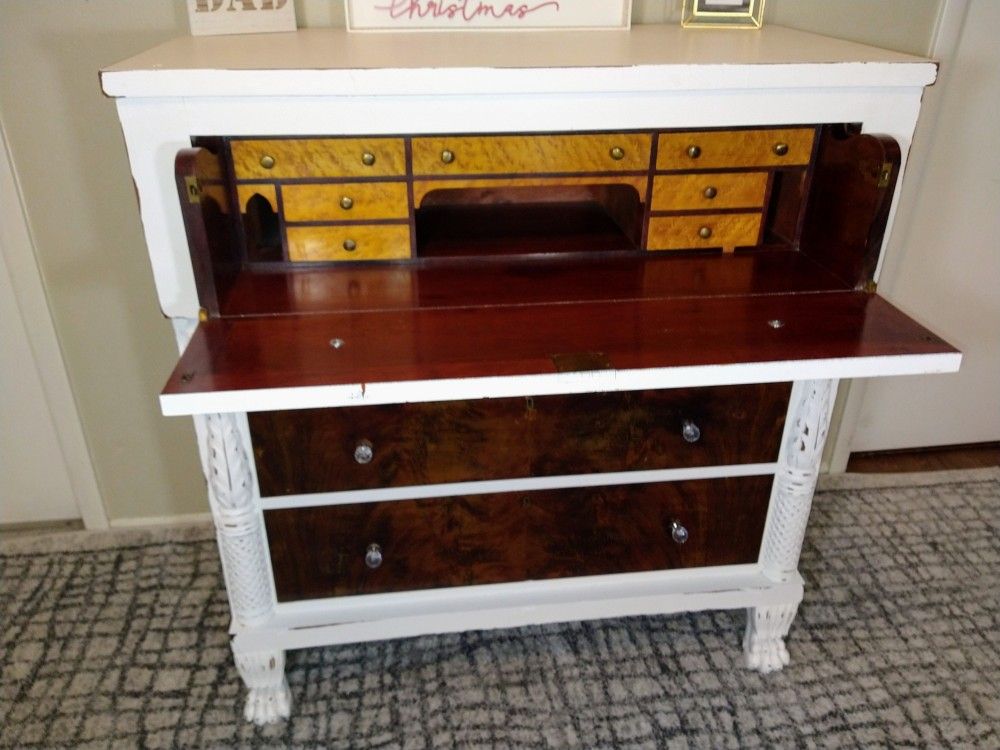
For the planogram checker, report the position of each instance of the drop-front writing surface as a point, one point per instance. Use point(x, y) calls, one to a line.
point(644, 283)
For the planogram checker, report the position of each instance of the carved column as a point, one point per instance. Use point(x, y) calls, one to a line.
point(239, 527)
point(794, 484)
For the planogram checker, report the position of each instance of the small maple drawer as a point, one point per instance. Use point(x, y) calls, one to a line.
point(345, 202)
point(684, 192)
point(256, 159)
point(703, 231)
point(349, 242)
point(723, 149)
point(408, 545)
point(368, 447)
point(531, 154)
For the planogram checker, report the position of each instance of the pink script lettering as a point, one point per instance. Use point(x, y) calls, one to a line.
point(463, 10)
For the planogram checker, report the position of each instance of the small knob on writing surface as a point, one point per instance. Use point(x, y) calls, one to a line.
point(694, 151)
point(678, 532)
point(690, 431)
point(780, 149)
point(364, 452)
point(347, 203)
point(447, 156)
point(617, 153)
point(373, 556)
point(350, 245)
point(705, 232)
point(267, 161)
point(710, 192)
point(367, 158)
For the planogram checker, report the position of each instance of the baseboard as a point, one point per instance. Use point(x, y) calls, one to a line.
point(182, 519)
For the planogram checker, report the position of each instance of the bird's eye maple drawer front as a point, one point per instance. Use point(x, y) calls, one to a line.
point(348, 242)
point(697, 231)
point(349, 201)
point(460, 541)
point(725, 149)
point(269, 159)
point(709, 191)
point(367, 447)
point(535, 154)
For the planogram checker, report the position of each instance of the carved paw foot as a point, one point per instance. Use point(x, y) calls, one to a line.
point(264, 674)
point(764, 641)
point(266, 705)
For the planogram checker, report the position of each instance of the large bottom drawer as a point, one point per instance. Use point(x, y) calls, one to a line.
point(461, 541)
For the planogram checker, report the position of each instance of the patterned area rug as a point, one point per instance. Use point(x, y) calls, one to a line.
point(118, 639)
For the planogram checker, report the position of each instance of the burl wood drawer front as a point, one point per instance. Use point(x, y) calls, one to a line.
point(703, 231)
point(313, 450)
point(318, 157)
point(352, 242)
point(717, 149)
point(463, 541)
point(518, 154)
point(704, 192)
point(349, 201)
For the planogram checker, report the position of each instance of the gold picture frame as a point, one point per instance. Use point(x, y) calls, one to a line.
point(723, 14)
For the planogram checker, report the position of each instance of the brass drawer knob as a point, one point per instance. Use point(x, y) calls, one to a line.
point(373, 556)
point(367, 158)
point(694, 151)
point(267, 161)
point(364, 452)
point(780, 149)
point(447, 156)
point(350, 245)
point(347, 203)
point(617, 153)
point(710, 192)
point(690, 431)
point(678, 532)
point(705, 232)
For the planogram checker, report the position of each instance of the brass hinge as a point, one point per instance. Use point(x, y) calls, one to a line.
point(193, 189)
point(870, 287)
point(884, 175)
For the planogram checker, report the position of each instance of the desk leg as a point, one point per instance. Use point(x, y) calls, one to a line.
point(794, 484)
point(239, 527)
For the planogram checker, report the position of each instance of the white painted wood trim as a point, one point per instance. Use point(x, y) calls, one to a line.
point(382, 616)
point(454, 389)
point(179, 519)
point(526, 484)
point(29, 290)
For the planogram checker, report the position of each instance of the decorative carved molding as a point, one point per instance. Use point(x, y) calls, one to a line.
point(264, 674)
point(795, 480)
point(239, 521)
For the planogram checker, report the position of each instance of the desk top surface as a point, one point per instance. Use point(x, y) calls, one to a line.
point(333, 61)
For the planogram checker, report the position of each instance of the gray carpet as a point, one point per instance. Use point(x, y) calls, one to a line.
point(118, 639)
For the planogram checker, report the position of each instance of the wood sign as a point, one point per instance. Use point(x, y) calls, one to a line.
point(208, 17)
point(437, 15)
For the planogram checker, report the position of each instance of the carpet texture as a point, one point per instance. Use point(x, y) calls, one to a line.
point(119, 640)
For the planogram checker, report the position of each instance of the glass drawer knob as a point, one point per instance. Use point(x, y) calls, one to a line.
point(373, 555)
point(780, 149)
point(710, 192)
point(267, 161)
point(350, 245)
point(347, 203)
point(367, 158)
point(705, 232)
point(363, 452)
point(447, 156)
point(617, 153)
point(690, 431)
point(694, 151)
point(678, 532)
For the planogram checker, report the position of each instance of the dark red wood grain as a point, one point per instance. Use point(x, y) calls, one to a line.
point(312, 450)
point(462, 541)
point(512, 281)
point(470, 342)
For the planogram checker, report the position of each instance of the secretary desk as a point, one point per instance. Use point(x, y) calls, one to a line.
point(488, 330)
